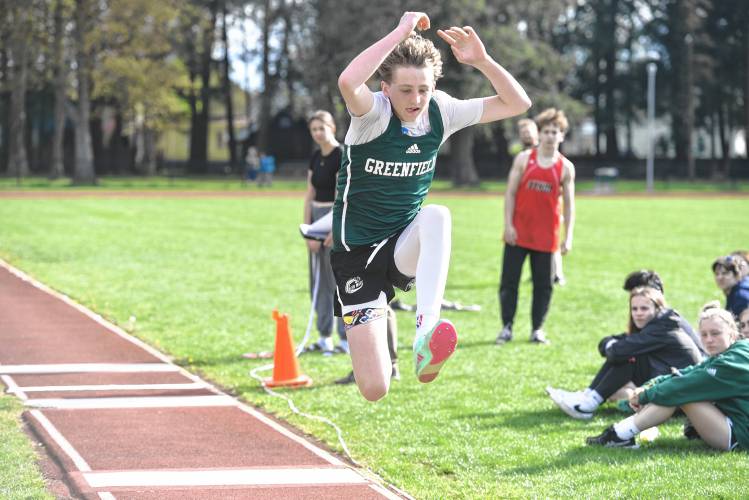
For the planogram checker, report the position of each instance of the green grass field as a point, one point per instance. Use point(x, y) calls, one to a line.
point(203, 275)
point(19, 477)
point(235, 184)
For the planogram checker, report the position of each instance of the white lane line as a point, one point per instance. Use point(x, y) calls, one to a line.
point(135, 402)
point(88, 368)
point(105, 495)
point(63, 443)
point(13, 387)
point(228, 477)
point(153, 351)
point(387, 493)
point(110, 387)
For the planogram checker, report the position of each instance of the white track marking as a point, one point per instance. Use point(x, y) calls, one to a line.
point(151, 350)
point(110, 387)
point(124, 403)
point(105, 495)
point(229, 477)
point(13, 387)
point(63, 443)
point(386, 493)
point(88, 368)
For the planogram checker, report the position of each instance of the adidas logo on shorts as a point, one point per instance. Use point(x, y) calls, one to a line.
point(413, 148)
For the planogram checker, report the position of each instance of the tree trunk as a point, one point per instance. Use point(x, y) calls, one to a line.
point(204, 115)
point(268, 90)
point(57, 167)
point(83, 172)
point(464, 169)
point(689, 100)
point(18, 160)
point(683, 104)
point(149, 151)
point(713, 148)
point(612, 145)
point(746, 84)
point(227, 95)
point(723, 135)
point(597, 102)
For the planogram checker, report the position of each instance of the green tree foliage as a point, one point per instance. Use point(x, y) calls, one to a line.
point(137, 72)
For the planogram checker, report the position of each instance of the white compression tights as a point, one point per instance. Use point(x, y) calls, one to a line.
point(423, 251)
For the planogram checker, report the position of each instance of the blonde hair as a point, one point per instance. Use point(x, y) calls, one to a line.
point(653, 294)
point(552, 116)
point(526, 122)
point(712, 310)
point(325, 117)
point(413, 51)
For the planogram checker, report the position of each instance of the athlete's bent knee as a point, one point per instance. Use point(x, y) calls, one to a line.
point(373, 391)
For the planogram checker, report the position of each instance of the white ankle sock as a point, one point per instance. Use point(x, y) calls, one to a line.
point(427, 323)
point(591, 401)
point(626, 429)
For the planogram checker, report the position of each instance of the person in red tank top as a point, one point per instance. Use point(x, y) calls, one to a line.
point(537, 178)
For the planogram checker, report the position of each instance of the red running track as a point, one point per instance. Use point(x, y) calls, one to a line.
point(119, 420)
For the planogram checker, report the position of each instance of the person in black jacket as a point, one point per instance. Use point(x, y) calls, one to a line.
point(654, 344)
point(648, 277)
point(714, 394)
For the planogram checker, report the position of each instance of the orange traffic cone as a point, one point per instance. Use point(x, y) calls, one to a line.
point(286, 372)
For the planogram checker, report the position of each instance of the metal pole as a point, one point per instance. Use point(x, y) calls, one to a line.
point(652, 68)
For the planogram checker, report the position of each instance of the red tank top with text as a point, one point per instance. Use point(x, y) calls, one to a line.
point(536, 216)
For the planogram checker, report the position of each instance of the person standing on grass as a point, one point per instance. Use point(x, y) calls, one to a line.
point(318, 202)
point(714, 394)
point(382, 236)
point(528, 134)
point(532, 219)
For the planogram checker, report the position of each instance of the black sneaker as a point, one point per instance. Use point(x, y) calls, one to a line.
point(395, 374)
point(690, 432)
point(348, 379)
point(609, 439)
point(504, 336)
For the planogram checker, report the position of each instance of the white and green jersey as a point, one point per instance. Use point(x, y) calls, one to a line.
point(388, 167)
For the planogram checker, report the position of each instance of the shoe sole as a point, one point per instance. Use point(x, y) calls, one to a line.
point(441, 342)
point(625, 446)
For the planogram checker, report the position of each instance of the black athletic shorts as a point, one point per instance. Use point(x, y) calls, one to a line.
point(365, 271)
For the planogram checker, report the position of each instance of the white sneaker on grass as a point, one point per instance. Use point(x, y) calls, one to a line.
point(569, 403)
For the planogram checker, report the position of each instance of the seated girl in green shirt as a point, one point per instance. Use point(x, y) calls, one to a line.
point(713, 394)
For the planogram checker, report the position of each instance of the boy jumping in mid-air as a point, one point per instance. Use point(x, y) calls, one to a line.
point(382, 236)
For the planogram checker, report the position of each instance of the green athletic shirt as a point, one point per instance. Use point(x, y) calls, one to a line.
point(723, 379)
point(382, 183)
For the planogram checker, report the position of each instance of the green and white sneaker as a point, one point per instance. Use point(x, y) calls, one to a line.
point(433, 349)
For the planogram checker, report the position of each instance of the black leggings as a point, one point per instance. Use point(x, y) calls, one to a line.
point(541, 268)
point(610, 378)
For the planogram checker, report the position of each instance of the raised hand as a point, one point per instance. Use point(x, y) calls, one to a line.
point(465, 44)
point(413, 20)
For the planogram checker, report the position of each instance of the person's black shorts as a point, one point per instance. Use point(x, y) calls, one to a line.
point(360, 280)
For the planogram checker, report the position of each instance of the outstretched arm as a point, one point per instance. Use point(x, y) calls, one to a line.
point(353, 80)
point(468, 49)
